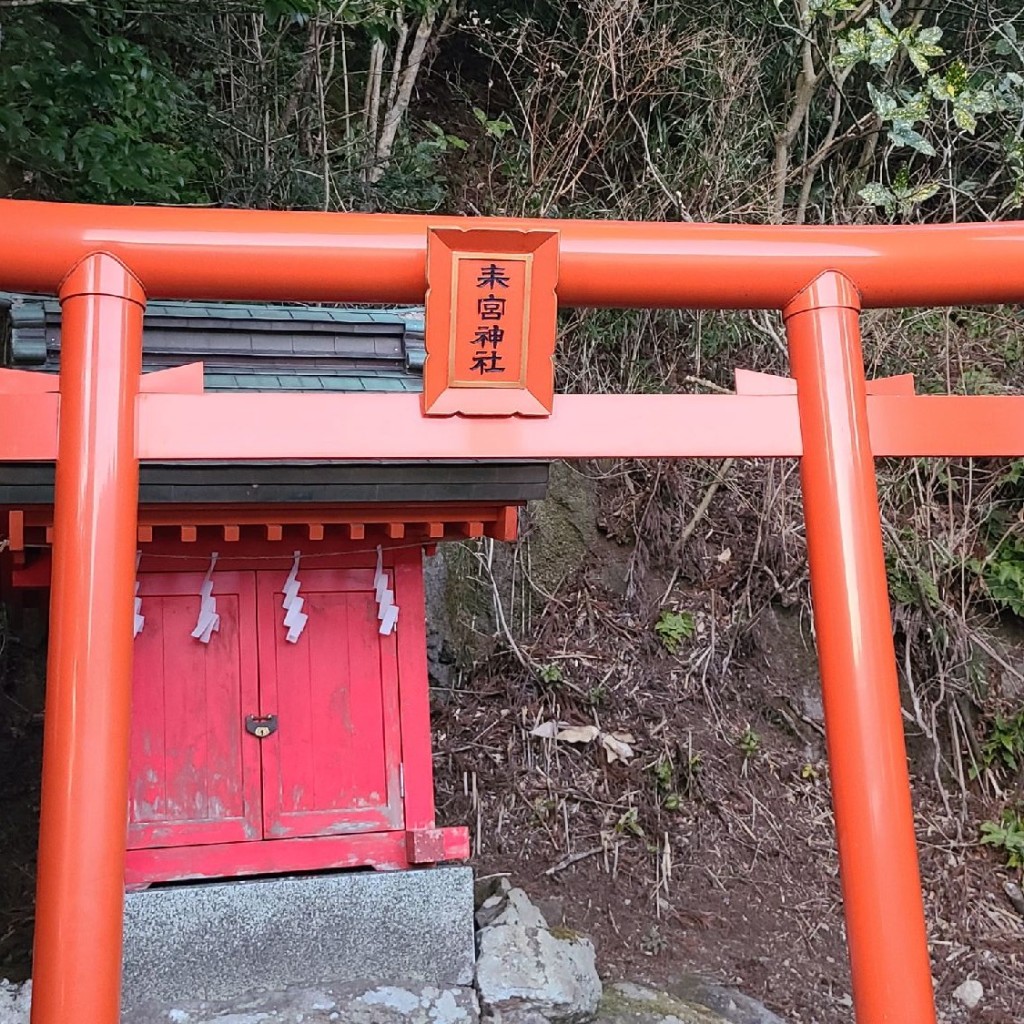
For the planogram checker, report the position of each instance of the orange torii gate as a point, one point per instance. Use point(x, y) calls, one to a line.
point(104, 262)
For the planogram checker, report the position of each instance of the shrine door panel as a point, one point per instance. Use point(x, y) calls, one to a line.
point(333, 764)
point(195, 773)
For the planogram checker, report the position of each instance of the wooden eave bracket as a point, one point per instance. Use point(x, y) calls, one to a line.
point(34, 527)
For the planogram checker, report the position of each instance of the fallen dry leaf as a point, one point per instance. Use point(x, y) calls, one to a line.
point(547, 730)
point(617, 746)
point(579, 734)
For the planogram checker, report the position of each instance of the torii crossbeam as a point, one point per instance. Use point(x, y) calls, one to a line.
point(104, 262)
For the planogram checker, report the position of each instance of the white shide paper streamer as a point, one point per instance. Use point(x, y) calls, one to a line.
point(140, 619)
point(294, 619)
point(209, 620)
point(387, 610)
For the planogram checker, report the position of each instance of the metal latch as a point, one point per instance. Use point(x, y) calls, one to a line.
point(261, 726)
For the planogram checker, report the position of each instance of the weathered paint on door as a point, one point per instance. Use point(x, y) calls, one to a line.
point(195, 773)
point(333, 765)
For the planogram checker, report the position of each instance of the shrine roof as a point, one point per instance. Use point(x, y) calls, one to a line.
point(245, 347)
point(255, 347)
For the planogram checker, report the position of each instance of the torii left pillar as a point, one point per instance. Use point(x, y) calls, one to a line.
point(83, 816)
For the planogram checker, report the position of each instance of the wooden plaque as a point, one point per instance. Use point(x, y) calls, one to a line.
point(490, 322)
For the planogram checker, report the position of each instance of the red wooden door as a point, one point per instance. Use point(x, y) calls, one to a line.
point(195, 772)
point(333, 765)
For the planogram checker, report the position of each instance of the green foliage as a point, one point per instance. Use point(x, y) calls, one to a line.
point(445, 140)
point(663, 773)
point(672, 783)
point(879, 41)
point(1003, 574)
point(233, 103)
point(928, 87)
point(829, 8)
point(1003, 749)
point(414, 180)
point(749, 743)
point(673, 628)
point(1006, 835)
point(496, 128)
point(901, 197)
point(374, 15)
point(1002, 568)
point(628, 824)
point(903, 113)
point(551, 675)
point(91, 111)
point(909, 584)
point(664, 783)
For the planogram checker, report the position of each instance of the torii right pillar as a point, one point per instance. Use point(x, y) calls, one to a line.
point(889, 962)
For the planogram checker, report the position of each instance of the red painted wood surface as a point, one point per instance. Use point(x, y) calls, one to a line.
point(333, 765)
point(306, 426)
point(195, 772)
point(240, 532)
point(386, 851)
point(325, 790)
point(293, 256)
point(415, 694)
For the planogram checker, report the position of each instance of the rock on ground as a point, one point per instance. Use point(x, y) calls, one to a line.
point(969, 993)
point(734, 1006)
point(527, 973)
point(626, 1003)
point(385, 1004)
point(15, 1001)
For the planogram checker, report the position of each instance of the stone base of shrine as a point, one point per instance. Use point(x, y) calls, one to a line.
point(218, 941)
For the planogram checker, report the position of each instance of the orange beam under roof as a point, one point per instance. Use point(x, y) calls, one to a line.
point(304, 426)
point(353, 257)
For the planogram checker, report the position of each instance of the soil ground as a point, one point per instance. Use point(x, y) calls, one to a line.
point(710, 849)
point(22, 668)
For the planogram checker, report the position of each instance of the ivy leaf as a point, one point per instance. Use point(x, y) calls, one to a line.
point(886, 18)
point(903, 135)
point(884, 104)
point(924, 44)
point(964, 118)
point(919, 52)
point(829, 8)
point(877, 194)
point(916, 195)
point(929, 38)
point(1007, 39)
point(883, 44)
point(854, 47)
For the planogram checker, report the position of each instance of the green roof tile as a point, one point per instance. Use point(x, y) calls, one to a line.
point(252, 347)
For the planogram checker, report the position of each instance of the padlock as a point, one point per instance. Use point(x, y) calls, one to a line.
point(260, 726)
